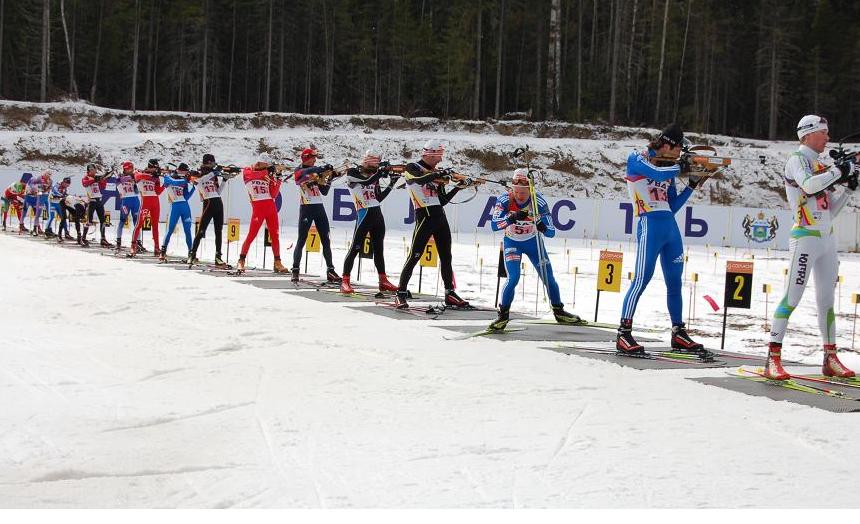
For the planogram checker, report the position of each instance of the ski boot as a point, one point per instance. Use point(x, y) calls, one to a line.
point(295, 277)
point(218, 261)
point(140, 248)
point(83, 242)
point(278, 267)
point(773, 367)
point(117, 247)
point(67, 236)
point(105, 244)
point(565, 317)
point(192, 259)
point(501, 321)
point(385, 285)
point(400, 300)
point(22, 229)
point(4, 228)
point(625, 344)
point(332, 276)
point(453, 299)
point(60, 239)
point(832, 367)
point(345, 286)
point(682, 343)
point(159, 254)
point(49, 233)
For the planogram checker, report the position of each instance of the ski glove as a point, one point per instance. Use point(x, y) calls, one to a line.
point(684, 164)
point(541, 227)
point(521, 214)
point(693, 182)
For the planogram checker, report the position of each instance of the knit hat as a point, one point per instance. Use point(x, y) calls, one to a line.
point(127, 166)
point(672, 135)
point(810, 124)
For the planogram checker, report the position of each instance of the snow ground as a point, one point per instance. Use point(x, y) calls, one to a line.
point(125, 387)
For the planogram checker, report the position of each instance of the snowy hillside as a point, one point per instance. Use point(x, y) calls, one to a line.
point(579, 160)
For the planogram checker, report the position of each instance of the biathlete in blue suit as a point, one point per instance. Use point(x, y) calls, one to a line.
point(179, 190)
point(651, 184)
point(512, 214)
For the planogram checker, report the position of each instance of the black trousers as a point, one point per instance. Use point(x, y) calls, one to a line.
point(430, 221)
point(95, 207)
point(213, 210)
point(371, 221)
point(313, 214)
point(77, 213)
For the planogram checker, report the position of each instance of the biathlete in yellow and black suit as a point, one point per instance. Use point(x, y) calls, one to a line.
point(428, 196)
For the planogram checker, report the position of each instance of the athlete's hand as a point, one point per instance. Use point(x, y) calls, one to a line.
point(684, 164)
point(693, 182)
point(541, 226)
point(521, 214)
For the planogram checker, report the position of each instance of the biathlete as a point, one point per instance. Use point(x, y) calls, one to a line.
point(179, 190)
point(367, 193)
point(263, 187)
point(512, 214)
point(651, 185)
point(314, 183)
point(129, 202)
point(427, 190)
point(815, 197)
point(149, 186)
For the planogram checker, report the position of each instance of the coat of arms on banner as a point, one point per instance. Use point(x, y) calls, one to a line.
point(760, 229)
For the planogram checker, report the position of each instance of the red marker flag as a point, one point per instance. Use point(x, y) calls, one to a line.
point(710, 300)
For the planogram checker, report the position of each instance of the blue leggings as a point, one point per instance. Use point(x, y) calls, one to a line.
point(514, 250)
point(179, 210)
point(31, 202)
point(128, 206)
point(657, 234)
point(56, 208)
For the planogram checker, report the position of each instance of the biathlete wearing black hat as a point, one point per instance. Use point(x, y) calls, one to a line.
point(209, 188)
point(651, 184)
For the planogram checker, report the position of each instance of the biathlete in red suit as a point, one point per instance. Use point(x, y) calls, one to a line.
point(262, 187)
point(149, 186)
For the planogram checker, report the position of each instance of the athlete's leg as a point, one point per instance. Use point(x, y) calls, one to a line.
point(424, 225)
point(305, 222)
point(672, 263)
point(513, 259)
point(802, 252)
point(647, 249)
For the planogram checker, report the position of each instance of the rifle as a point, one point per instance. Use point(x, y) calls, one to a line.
point(463, 181)
point(704, 162)
point(842, 156)
point(329, 175)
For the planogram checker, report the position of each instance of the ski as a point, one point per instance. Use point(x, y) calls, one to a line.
point(666, 356)
point(852, 382)
point(791, 384)
point(484, 332)
point(173, 261)
point(423, 312)
point(582, 323)
point(319, 284)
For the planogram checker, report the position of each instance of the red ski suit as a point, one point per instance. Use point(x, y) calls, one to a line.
point(262, 189)
point(150, 187)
